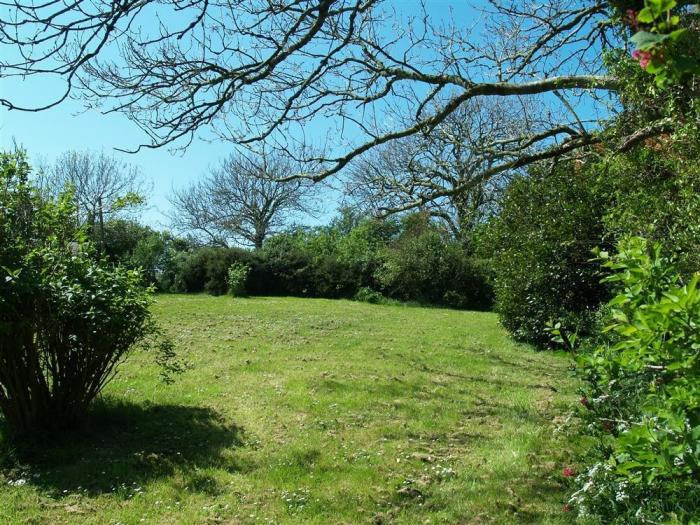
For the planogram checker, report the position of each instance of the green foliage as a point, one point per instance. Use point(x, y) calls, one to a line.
point(128, 200)
point(236, 278)
point(367, 295)
point(215, 267)
point(409, 261)
point(135, 246)
point(423, 265)
point(291, 268)
point(67, 317)
point(643, 399)
point(540, 242)
point(204, 269)
point(362, 247)
point(654, 192)
point(335, 261)
point(540, 248)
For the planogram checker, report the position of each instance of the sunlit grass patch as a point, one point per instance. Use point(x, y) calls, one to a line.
point(312, 411)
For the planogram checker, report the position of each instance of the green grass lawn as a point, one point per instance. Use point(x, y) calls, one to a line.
point(312, 411)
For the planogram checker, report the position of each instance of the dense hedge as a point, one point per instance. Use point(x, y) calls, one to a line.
point(68, 317)
point(411, 260)
point(540, 248)
point(641, 396)
point(540, 244)
point(432, 269)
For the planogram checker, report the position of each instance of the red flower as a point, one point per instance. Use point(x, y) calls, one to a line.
point(644, 57)
point(568, 472)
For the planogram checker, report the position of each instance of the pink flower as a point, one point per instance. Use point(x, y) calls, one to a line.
point(631, 19)
point(568, 472)
point(644, 57)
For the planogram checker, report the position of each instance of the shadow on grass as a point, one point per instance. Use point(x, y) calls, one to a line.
point(497, 382)
point(121, 445)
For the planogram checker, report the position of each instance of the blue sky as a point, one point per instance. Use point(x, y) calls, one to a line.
point(47, 134)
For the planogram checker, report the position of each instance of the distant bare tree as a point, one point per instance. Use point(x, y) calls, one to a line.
point(457, 153)
point(104, 186)
point(239, 202)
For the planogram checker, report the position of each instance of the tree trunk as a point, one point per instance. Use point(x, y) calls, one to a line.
point(259, 238)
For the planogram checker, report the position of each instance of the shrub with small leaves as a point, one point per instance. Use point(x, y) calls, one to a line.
point(68, 318)
point(424, 264)
point(367, 295)
point(236, 278)
point(540, 249)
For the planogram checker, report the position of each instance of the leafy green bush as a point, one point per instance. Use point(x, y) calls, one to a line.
point(643, 398)
point(216, 264)
point(539, 244)
point(334, 278)
point(410, 261)
point(654, 193)
point(333, 261)
point(367, 295)
point(362, 248)
point(540, 249)
point(192, 271)
point(67, 317)
point(424, 265)
point(666, 39)
point(236, 278)
point(205, 269)
point(291, 271)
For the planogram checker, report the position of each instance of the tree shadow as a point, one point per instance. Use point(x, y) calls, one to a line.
point(500, 382)
point(122, 445)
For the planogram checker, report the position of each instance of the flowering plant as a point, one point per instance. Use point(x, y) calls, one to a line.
point(659, 34)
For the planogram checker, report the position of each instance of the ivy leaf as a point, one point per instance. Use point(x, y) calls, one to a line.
point(664, 5)
point(660, 6)
point(695, 433)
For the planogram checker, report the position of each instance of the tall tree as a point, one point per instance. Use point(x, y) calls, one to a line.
point(241, 202)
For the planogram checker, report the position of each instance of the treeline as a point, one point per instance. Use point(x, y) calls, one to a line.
point(412, 258)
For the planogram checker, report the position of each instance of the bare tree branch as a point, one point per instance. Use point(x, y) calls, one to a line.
point(458, 150)
point(259, 72)
point(654, 129)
